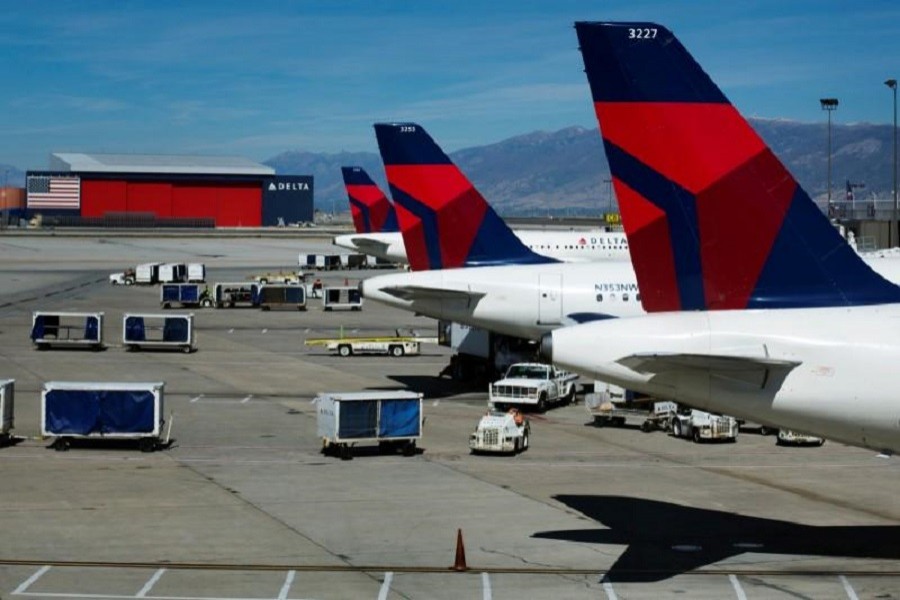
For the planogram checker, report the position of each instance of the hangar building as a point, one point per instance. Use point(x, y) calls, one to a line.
point(221, 191)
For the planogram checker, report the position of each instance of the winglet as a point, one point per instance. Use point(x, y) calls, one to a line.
point(371, 210)
point(714, 220)
point(446, 222)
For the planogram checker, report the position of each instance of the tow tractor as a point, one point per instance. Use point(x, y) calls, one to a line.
point(501, 432)
point(397, 345)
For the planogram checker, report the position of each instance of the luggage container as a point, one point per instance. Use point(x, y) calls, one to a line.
point(230, 295)
point(73, 329)
point(141, 331)
point(103, 410)
point(326, 262)
point(282, 296)
point(342, 297)
point(187, 295)
point(172, 272)
point(7, 406)
point(196, 272)
point(146, 273)
point(391, 419)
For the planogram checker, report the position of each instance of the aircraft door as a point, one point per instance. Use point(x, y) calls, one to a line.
point(550, 299)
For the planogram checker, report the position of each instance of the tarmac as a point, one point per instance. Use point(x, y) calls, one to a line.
point(244, 505)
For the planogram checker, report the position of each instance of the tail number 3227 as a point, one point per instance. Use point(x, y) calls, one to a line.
point(645, 33)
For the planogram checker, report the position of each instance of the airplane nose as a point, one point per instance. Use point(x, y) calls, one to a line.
point(546, 349)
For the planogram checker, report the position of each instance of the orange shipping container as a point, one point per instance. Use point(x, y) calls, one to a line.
point(12, 197)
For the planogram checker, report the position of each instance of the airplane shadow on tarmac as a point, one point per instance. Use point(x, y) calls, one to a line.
point(439, 387)
point(665, 539)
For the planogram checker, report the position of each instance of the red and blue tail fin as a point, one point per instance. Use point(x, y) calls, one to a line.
point(714, 220)
point(446, 223)
point(371, 210)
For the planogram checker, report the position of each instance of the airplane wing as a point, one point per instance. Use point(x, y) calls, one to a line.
point(756, 370)
point(418, 292)
point(370, 246)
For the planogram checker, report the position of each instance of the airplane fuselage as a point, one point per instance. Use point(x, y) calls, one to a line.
point(522, 301)
point(568, 246)
point(842, 384)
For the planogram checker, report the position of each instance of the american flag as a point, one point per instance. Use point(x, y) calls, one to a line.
point(54, 192)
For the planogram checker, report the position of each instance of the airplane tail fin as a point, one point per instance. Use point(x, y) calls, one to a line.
point(371, 210)
point(714, 220)
point(446, 222)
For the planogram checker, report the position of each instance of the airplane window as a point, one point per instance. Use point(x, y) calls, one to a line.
point(599, 297)
point(637, 297)
point(625, 297)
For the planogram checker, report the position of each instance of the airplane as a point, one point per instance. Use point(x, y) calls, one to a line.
point(574, 245)
point(780, 322)
point(374, 218)
point(523, 301)
point(511, 289)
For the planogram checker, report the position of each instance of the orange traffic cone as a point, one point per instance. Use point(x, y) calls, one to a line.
point(460, 563)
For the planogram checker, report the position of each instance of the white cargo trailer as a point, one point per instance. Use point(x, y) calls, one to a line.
point(392, 419)
point(172, 331)
point(7, 408)
point(67, 329)
point(103, 410)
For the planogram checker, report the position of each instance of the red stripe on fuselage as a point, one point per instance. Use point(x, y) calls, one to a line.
point(651, 250)
point(712, 139)
point(739, 219)
point(458, 207)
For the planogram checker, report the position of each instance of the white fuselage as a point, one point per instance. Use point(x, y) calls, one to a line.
point(522, 301)
point(568, 246)
point(527, 301)
point(844, 387)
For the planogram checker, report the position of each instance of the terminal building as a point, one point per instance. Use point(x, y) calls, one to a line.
point(129, 189)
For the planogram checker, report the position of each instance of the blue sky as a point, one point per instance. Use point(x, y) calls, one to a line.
point(258, 78)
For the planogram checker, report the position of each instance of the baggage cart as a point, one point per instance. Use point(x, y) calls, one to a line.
point(342, 297)
point(7, 409)
point(231, 295)
point(391, 419)
point(187, 295)
point(176, 332)
point(103, 410)
point(282, 296)
point(72, 329)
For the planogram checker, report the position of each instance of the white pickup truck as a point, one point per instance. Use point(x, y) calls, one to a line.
point(532, 385)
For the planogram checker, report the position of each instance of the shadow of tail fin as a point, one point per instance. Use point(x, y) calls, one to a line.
point(446, 222)
point(714, 220)
point(371, 210)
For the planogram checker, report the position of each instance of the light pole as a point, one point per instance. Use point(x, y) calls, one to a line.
point(892, 83)
point(829, 105)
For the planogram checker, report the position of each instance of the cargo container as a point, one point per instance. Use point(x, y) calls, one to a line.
point(196, 272)
point(146, 273)
point(391, 419)
point(230, 295)
point(187, 295)
point(275, 295)
point(7, 407)
point(103, 410)
point(72, 329)
point(175, 332)
point(327, 262)
point(172, 272)
point(342, 297)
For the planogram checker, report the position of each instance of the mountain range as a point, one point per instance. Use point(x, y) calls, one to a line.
point(565, 171)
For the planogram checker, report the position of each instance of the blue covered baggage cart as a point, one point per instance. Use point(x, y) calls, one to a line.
point(342, 297)
point(103, 410)
point(72, 329)
point(187, 295)
point(391, 419)
point(158, 331)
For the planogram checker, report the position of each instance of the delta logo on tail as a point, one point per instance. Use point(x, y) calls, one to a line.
point(446, 222)
point(371, 210)
point(714, 220)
